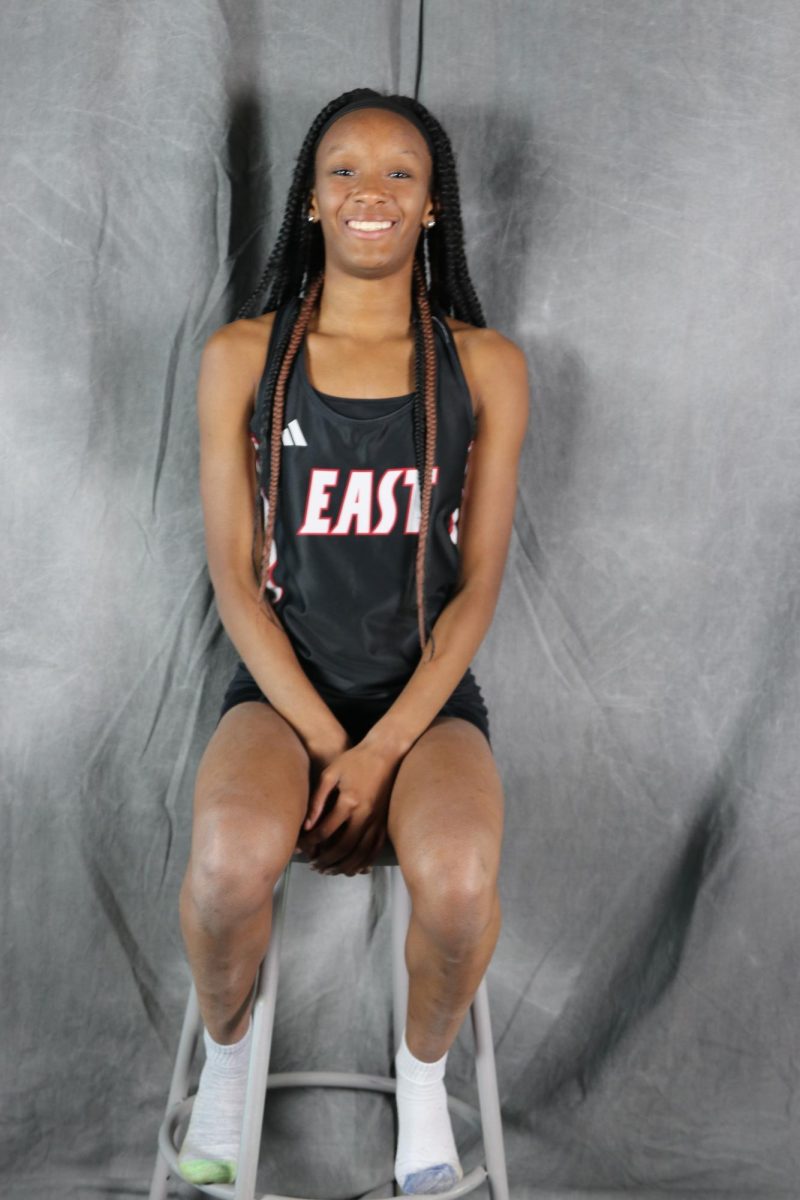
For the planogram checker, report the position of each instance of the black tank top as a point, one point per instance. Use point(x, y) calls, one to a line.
point(343, 557)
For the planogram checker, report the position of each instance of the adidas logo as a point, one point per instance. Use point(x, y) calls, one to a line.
point(293, 435)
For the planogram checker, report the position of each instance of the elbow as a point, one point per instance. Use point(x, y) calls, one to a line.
point(239, 602)
point(481, 595)
point(232, 593)
point(481, 590)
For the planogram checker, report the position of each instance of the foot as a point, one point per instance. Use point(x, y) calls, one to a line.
point(431, 1180)
point(210, 1149)
point(427, 1160)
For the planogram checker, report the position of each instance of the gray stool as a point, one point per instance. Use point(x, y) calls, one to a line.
point(259, 1079)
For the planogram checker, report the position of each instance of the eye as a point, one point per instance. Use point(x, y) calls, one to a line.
point(338, 170)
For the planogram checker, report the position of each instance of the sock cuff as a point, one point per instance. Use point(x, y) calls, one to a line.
point(415, 1069)
point(218, 1051)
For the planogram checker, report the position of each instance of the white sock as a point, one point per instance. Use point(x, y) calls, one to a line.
point(210, 1149)
point(427, 1159)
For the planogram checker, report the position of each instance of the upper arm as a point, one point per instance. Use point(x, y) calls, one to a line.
point(225, 393)
point(500, 372)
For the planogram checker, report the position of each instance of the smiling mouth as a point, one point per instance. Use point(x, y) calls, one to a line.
point(369, 229)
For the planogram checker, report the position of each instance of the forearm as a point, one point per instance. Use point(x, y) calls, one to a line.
point(265, 648)
point(459, 630)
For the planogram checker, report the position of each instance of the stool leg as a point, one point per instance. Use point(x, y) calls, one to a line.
point(190, 1032)
point(258, 1067)
point(401, 915)
point(488, 1096)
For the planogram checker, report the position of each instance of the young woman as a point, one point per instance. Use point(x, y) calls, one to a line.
point(372, 424)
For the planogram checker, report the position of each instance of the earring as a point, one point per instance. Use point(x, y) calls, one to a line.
point(310, 217)
point(430, 224)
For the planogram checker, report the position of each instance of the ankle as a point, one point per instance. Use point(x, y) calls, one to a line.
point(229, 1053)
point(415, 1070)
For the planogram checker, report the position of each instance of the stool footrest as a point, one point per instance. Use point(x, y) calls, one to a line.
point(334, 1079)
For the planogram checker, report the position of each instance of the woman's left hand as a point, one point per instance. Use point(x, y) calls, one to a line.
point(352, 831)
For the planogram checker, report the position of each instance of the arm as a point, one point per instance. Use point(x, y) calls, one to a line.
point(228, 488)
point(500, 372)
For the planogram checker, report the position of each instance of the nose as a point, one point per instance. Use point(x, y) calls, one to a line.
point(371, 187)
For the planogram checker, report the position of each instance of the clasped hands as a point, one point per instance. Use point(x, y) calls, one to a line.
point(345, 826)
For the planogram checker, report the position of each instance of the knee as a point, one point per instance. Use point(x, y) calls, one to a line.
point(233, 867)
point(455, 900)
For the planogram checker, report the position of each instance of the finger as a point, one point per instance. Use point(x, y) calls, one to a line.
point(335, 849)
point(373, 849)
point(310, 842)
point(325, 786)
point(316, 805)
point(362, 855)
point(349, 853)
point(329, 824)
point(307, 845)
point(354, 856)
point(314, 847)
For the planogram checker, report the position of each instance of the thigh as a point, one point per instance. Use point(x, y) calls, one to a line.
point(445, 817)
point(251, 790)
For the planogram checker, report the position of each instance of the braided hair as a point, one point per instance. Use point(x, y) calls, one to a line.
point(295, 272)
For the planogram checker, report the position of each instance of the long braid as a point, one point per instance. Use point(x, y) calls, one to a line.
point(429, 384)
point(295, 272)
point(295, 341)
point(420, 425)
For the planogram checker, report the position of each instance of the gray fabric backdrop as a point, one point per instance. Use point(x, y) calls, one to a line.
point(629, 179)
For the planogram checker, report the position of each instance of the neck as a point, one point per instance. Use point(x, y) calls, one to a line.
point(367, 310)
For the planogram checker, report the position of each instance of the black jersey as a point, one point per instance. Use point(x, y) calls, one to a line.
point(342, 572)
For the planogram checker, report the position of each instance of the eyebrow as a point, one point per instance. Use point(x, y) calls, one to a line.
point(335, 149)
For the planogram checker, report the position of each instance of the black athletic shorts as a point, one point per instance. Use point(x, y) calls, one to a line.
point(358, 716)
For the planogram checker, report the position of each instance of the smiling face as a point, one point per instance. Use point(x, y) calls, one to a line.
point(372, 165)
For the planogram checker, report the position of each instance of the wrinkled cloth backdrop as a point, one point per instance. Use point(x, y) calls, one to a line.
point(629, 183)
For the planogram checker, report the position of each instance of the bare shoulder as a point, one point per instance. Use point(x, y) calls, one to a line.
point(242, 344)
point(231, 367)
point(493, 364)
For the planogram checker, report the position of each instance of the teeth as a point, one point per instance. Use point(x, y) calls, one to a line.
point(370, 225)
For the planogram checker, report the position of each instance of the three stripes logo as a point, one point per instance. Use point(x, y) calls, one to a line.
point(293, 435)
